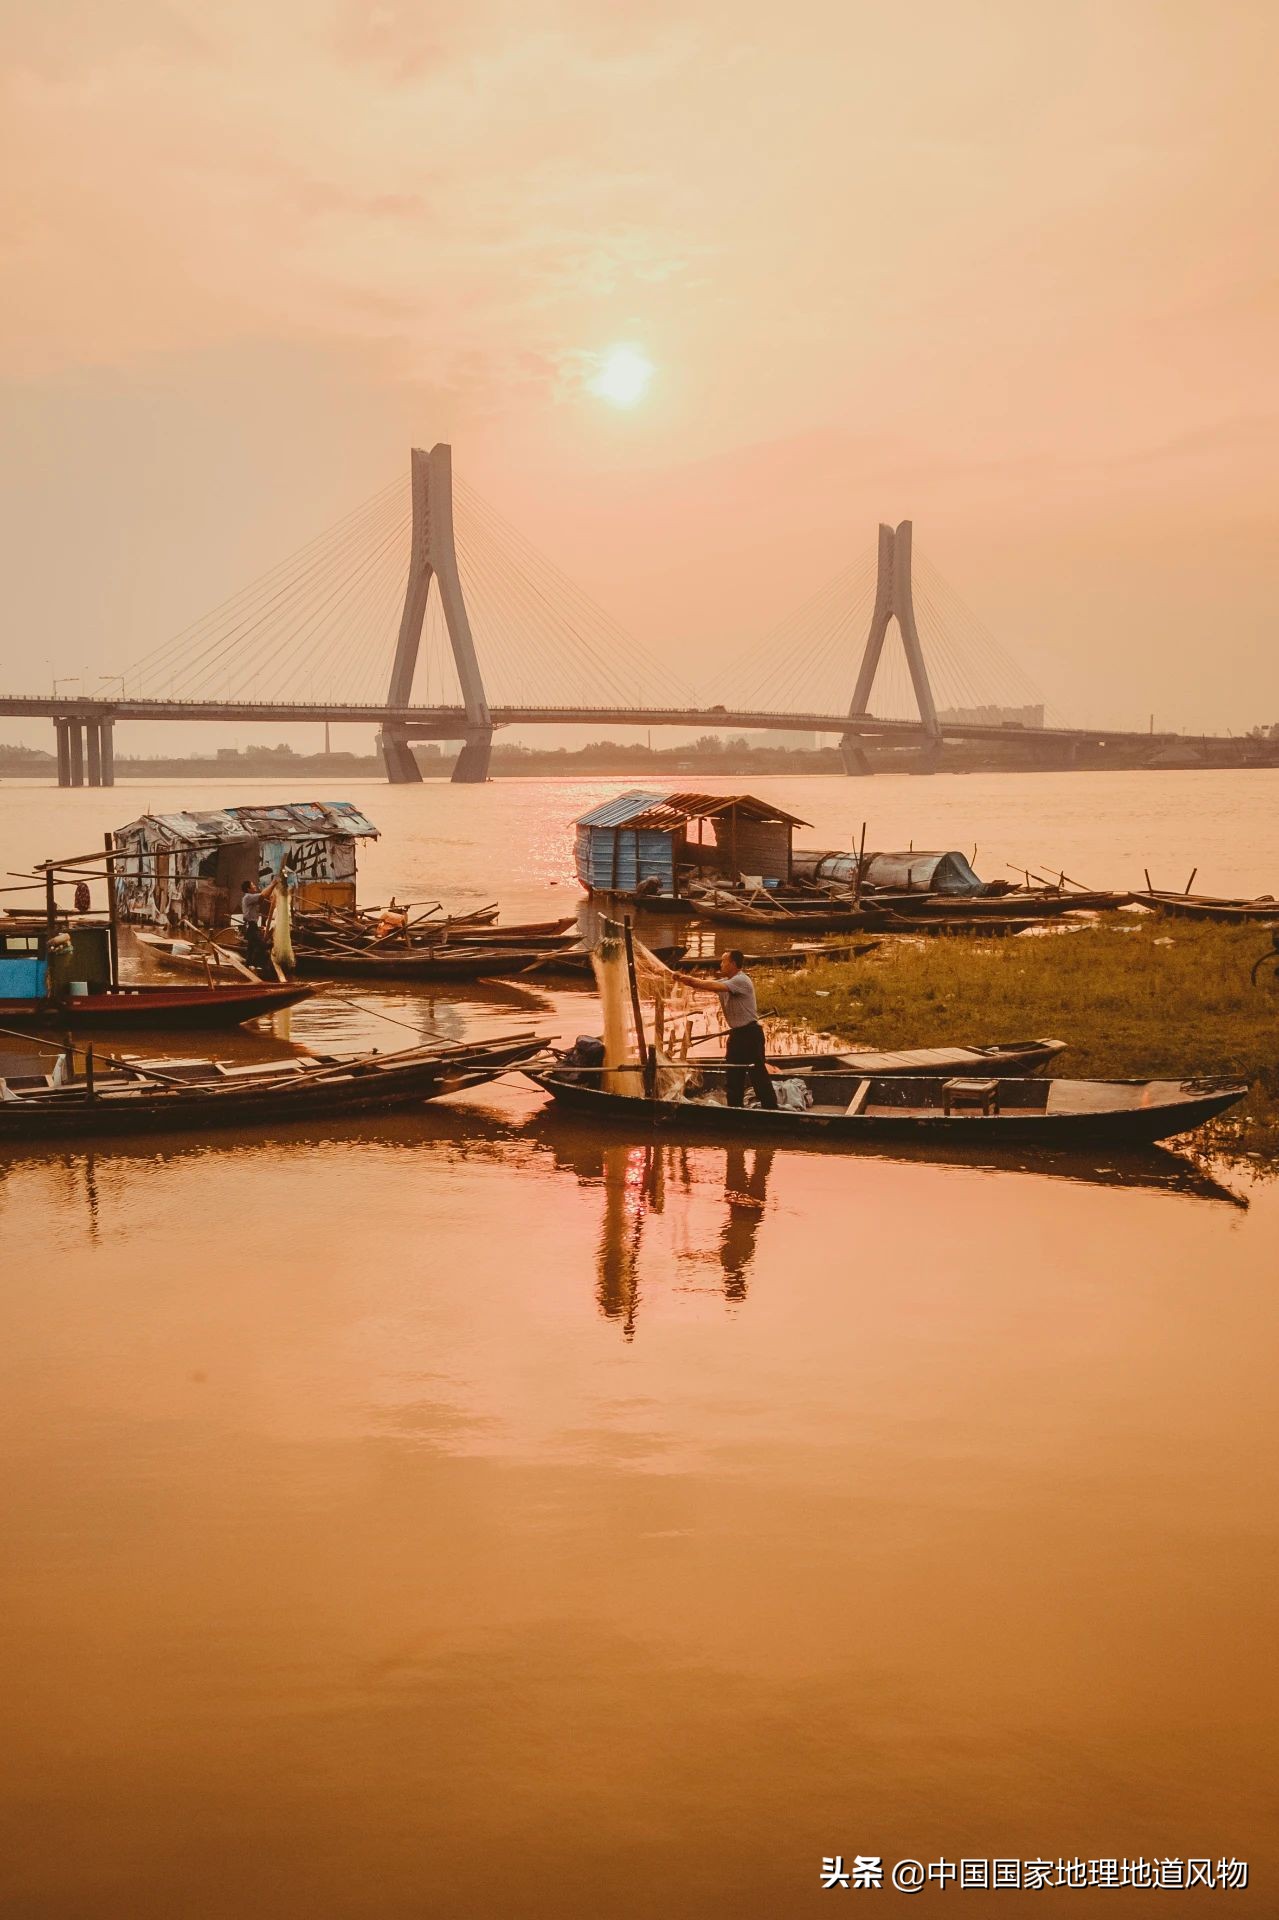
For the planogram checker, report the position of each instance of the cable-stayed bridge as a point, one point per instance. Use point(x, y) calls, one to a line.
point(427, 615)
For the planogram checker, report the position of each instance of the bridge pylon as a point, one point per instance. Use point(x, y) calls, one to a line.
point(894, 600)
point(433, 556)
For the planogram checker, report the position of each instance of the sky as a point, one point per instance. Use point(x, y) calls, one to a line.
point(1003, 267)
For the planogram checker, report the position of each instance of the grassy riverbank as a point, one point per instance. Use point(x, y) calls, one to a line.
point(1135, 996)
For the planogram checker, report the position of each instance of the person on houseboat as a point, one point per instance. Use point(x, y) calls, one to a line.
point(746, 1048)
point(255, 906)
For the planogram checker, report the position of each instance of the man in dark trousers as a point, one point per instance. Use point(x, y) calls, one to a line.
point(255, 904)
point(745, 1052)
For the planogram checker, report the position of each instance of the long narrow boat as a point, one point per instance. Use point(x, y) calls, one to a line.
point(1203, 906)
point(983, 926)
point(189, 956)
point(787, 960)
point(868, 920)
point(1018, 905)
point(855, 1107)
point(315, 933)
point(138, 1096)
point(131, 1007)
point(549, 934)
point(575, 962)
point(425, 963)
point(833, 919)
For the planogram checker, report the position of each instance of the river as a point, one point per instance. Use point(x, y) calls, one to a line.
point(468, 1514)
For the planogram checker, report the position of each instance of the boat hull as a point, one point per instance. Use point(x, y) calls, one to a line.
point(998, 906)
point(837, 920)
point(369, 1087)
point(130, 1008)
point(1181, 906)
point(435, 963)
point(1180, 1111)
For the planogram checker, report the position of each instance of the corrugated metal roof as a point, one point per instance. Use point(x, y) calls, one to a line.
point(618, 811)
point(292, 820)
point(665, 811)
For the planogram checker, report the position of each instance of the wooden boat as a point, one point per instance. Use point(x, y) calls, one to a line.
point(1013, 905)
point(191, 956)
point(327, 944)
point(576, 962)
point(423, 963)
point(954, 919)
point(108, 1097)
point(547, 934)
point(855, 1107)
point(957, 922)
point(1204, 906)
point(86, 989)
point(1012, 1057)
point(130, 1006)
point(808, 919)
point(788, 960)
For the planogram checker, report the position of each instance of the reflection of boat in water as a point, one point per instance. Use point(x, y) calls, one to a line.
point(578, 1144)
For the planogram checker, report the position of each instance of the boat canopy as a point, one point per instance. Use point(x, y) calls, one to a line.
point(663, 811)
point(294, 820)
point(901, 872)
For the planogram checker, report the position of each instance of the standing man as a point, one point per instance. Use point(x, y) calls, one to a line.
point(745, 1051)
point(254, 905)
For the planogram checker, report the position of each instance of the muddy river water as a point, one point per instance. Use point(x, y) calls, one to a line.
point(472, 1514)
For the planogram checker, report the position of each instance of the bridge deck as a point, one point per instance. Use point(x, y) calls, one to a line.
point(448, 723)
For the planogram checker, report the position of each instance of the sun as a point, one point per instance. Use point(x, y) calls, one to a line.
point(622, 376)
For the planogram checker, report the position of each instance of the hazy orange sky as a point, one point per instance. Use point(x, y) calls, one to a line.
point(1003, 266)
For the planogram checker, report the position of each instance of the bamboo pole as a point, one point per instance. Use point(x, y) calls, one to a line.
point(647, 1064)
point(113, 911)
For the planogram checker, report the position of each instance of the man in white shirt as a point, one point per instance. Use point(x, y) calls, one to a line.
point(745, 1050)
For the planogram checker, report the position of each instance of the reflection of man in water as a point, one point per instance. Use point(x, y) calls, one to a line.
point(745, 1050)
point(746, 1195)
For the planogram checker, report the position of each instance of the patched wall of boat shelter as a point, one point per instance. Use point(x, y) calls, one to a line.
point(619, 859)
point(191, 867)
point(760, 848)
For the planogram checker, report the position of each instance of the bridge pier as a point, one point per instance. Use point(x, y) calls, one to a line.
point(471, 768)
point(399, 759)
point(62, 734)
point(854, 756)
point(106, 752)
point(93, 742)
point(75, 753)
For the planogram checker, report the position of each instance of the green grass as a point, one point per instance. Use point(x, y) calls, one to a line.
point(1135, 997)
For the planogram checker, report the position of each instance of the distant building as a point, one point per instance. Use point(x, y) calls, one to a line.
point(791, 742)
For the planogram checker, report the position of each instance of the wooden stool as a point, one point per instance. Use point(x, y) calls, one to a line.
point(970, 1093)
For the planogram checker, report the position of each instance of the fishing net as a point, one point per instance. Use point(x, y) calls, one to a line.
point(666, 1009)
point(282, 931)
